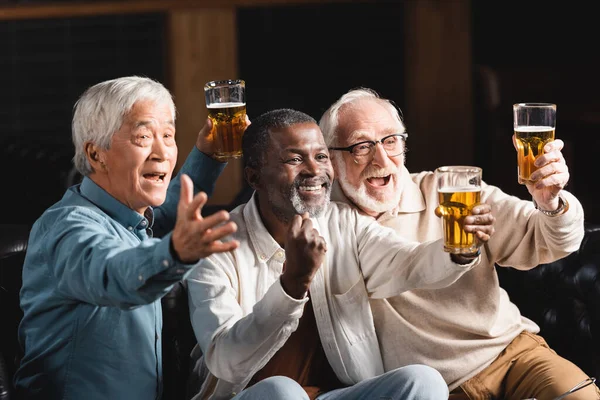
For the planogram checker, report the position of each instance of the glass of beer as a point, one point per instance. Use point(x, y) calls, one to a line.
point(226, 104)
point(534, 125)
point(459, 190)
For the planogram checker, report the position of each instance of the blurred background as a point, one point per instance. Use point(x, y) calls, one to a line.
point(454, 67)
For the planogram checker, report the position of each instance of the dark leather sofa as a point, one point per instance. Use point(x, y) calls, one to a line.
point(563, 297)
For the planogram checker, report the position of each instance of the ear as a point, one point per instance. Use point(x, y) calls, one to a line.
point(252, 177)
point(95, 156)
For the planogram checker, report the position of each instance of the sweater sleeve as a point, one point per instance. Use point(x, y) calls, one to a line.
point(525, 237)
point(392, 265)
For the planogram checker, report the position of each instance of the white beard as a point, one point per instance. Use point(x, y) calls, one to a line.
point(361, 197)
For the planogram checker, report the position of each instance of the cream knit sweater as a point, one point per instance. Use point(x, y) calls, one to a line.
point(461, 329)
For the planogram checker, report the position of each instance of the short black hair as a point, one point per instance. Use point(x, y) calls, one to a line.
point(256, 139)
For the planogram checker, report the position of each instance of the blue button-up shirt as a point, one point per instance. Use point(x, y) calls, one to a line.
point(92, 282)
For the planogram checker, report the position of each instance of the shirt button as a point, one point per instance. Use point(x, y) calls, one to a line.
point(165, 263)
point(140, 278)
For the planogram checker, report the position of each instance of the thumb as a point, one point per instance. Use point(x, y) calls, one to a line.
point(206, 129)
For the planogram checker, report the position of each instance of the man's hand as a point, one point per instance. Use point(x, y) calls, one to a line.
point(480, 223)
point(205, 142)
point(304, 252)
point(551, 177)
point(195, 237)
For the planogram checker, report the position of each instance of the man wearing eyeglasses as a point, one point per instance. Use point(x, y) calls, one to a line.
point(285, 315)
point(469, 331)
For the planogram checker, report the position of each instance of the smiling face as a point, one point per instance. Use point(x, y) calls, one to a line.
point(375, 185)
point(137, 167)
point(296, 175)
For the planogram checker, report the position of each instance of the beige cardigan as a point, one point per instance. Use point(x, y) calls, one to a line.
point(461, 329)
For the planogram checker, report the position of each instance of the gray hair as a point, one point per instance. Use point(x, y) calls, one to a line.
point(330, 119)
point(99, 112)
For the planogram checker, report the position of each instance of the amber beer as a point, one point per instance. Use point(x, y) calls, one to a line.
point(229, 123)
point(455, 204)
point(226, 105)
point(530, 145)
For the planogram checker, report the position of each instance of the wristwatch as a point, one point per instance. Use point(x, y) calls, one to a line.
point(563, 206)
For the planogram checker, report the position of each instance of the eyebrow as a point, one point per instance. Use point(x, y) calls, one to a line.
point(361, 136)
point(148, 122)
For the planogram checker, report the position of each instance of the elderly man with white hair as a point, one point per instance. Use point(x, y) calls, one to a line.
point(94, 275)
point(469, 331)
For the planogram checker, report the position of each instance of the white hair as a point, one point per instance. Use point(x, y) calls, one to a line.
point(99, 112)
point(330, 119)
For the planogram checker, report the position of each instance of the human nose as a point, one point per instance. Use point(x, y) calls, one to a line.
point(312, 166)
point(380, 156)
point(160, 150)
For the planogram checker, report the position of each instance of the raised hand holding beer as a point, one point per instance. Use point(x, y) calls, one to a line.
point(226, 104)
point(466, 223)
point(542, 167)
point(534, 125)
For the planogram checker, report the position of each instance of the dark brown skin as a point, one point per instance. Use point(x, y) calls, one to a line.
point(296, 154)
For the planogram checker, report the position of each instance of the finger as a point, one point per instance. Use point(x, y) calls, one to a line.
point(307, 224)
point(193, 210)
point(185, 194)
point(219, 233)
point(547, 158)
point(482, 208)
point(478, 220)
point(321, 244)
point(295, 226)
point(206, 130)
point(482, 236)
point(555, 145)
point(549, 169)
point(555, 181)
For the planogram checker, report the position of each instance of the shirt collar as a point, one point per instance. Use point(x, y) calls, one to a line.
point(411, 199)
point(114, 208)
point(262, 241)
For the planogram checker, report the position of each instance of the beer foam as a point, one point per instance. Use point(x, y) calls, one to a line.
point(534, 128)
point(226, 105)
point(460, 189)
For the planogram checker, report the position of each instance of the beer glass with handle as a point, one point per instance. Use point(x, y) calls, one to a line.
point(534, 125)
point(459, 190)
point(226, 104)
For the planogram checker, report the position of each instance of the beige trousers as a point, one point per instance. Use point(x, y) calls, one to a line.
point(527, 368)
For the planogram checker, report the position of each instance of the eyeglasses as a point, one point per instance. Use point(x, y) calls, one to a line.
point(363, 151)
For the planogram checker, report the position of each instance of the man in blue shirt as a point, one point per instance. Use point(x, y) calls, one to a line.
point(94, 275)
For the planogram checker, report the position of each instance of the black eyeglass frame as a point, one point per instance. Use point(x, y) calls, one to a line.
point(350, 148)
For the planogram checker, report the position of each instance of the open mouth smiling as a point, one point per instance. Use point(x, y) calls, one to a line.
point(379, 181)
point(155, 176)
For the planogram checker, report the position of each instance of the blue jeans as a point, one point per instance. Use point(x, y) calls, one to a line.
point(413, 382)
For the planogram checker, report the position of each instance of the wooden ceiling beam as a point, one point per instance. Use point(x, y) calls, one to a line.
point(83, 9)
